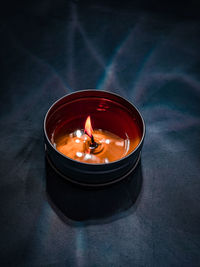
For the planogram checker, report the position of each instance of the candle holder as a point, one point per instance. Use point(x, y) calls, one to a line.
point(111, 152)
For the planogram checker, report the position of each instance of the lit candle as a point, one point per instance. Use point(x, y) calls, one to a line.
point(93, 146)
point(93, 137)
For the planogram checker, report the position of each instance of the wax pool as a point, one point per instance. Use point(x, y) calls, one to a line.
point(76, 145)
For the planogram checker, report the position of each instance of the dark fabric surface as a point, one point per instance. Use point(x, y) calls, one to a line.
point(147, 55)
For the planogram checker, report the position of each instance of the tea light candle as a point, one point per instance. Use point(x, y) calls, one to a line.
point(93, 137)
point(93, 146)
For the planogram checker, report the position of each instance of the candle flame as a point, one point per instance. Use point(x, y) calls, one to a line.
point(88, 127)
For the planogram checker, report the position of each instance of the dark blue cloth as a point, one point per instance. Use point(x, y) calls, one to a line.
point(147, 55)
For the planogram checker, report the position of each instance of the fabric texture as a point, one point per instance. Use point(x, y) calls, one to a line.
point(150, 57)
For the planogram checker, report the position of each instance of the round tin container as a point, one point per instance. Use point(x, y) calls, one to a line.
point(110, 112)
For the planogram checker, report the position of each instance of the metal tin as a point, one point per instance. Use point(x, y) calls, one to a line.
point(85, 173)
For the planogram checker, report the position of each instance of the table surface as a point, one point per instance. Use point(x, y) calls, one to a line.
point(149, 57)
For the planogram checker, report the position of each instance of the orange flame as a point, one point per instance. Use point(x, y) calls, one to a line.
point(88, 127)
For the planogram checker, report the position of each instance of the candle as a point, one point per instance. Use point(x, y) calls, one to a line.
point(93, 137)
point(93, 146)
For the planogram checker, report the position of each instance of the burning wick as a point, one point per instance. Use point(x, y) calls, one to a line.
point(88, 130)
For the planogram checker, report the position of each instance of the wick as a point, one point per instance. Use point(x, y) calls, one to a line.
point(93, 144)
point(92, 139)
